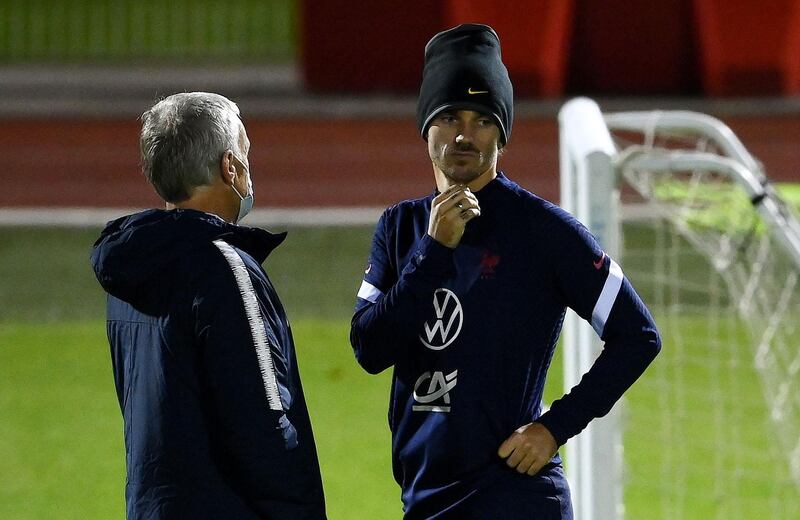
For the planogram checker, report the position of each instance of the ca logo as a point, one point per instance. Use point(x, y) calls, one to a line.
point(437, 396)
point(449, 318)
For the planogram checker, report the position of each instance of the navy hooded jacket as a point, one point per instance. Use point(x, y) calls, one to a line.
point(216, 424)
point(470, 333)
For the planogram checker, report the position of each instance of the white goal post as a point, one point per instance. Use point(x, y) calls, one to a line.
point(677, 196)
point(589, 191)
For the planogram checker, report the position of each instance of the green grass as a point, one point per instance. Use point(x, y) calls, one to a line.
point(61, 448)
point(61, 452)
point(790, 192)
point(722, 206)
point(691, 420)
point(47, 276)
point(348, 409)
point(317, 271)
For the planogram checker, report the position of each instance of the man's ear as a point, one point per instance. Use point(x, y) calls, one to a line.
point(227, 169)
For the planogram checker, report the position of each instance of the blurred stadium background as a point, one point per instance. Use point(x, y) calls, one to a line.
point(326, 90)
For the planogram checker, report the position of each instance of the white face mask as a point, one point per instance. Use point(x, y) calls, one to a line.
point(246, 201)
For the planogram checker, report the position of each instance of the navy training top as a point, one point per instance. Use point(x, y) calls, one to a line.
point(471, 332)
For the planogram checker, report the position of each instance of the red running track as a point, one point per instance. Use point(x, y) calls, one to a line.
point(302, 162)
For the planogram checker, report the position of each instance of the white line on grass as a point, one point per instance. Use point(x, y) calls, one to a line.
point(304, 217)
point(97, 217)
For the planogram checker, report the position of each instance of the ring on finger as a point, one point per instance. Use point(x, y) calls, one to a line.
point(460, 205)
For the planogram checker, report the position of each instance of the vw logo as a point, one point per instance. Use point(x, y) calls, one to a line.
point(449, 319)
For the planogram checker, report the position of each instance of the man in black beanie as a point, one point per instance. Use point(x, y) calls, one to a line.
point(464, 296)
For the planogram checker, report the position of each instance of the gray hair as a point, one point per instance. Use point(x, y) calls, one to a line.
point(183, 139)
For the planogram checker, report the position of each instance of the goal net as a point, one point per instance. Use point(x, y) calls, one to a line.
point(712, 430)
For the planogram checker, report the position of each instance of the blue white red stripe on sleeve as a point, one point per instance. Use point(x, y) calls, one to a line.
point(369, 292)
point(607, 297)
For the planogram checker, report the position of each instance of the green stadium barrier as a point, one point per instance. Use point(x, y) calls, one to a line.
point(124, 31)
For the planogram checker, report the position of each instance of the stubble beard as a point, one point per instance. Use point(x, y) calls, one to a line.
point(458, 174)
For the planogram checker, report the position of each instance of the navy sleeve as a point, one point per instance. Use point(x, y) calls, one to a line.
point(389, 309)
point(594, 286)
point(245, 373)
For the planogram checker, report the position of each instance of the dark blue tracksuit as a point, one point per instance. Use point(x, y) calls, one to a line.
point(216, 424)
point(470, 333)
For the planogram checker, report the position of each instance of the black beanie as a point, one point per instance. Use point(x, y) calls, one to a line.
point(464, 70)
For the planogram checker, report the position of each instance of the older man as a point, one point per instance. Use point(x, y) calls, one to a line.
point(216, 424)
point(464, 297)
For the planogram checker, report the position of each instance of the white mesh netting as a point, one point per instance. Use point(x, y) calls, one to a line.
point(713, 430)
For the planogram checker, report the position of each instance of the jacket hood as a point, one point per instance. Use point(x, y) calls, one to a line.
point(136, 251)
